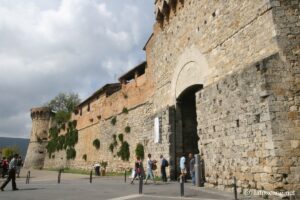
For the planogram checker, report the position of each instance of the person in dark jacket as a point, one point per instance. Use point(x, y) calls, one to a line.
point(11, 174)
point(164, 164)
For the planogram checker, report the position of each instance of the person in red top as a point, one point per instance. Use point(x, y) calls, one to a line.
point(4, 167)
point(138, 169)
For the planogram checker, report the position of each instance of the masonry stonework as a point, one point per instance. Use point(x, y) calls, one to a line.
point(234, 65)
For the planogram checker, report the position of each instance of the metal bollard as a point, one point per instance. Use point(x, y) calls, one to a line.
point(59, 176)
point(91, 176)
point(234, 188)
point(125, 176)
point(140, 185)
point(181, 186)
point(27, 177)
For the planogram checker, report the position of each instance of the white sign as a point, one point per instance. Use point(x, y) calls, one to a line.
point(156, 130)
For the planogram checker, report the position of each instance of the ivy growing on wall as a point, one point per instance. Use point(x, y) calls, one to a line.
point(111, 147)
point(96, 143)
point(67, 141)
point(113, 121)
point(84, 157)
point(125, 110)
point(71, 153)
point(139, 151)
point(127, 129)
point(121, 137)
point(124, 152)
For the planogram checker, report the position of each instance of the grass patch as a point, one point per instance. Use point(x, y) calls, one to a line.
point(83, 171)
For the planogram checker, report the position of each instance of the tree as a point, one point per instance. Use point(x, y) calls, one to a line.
point(10, 151)
point(63, 105)
point(64, 102)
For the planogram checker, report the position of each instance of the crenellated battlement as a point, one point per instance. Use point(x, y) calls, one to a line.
point(40, 113)
point(165, 9)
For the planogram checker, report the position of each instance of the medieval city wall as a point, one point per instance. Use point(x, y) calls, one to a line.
point(285, 85)
point(248, 119)
point(236, 130)
point(94, 121)
point(36, 151)
point(228, 34)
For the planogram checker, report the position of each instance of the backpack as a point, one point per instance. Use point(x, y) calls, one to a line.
point(153, 166)
point(166, 163)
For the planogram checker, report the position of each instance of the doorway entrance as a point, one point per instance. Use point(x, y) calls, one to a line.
point(186, 137)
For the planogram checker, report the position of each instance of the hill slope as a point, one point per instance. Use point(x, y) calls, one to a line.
point(22, 143)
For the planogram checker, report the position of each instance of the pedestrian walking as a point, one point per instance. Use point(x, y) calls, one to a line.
point(97, 169)
point(11, 174)
point(192, 167)
point(138, 169)
point(151, 165)
point(182, 165)
point(164, 164)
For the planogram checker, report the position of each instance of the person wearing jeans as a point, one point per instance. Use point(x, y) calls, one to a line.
point(150, 169)
point(192, 167)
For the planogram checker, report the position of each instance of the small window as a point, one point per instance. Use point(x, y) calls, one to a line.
point(88, 108)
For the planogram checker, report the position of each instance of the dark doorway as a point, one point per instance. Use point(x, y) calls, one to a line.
point(186, 137)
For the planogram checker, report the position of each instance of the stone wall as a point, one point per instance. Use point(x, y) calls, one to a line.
point(228, 34)
point(245, 132)
point(36, 151)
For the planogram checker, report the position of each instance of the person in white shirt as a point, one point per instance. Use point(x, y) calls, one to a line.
point(150, 167)
point(11, 174)
point(182, 166)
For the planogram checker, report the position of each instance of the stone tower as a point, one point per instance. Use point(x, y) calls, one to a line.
point(41, 119)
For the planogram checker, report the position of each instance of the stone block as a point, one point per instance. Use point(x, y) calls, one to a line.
point(295, 144)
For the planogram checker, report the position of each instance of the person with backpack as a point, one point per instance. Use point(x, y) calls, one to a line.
point(138, 169)
point(151, 165)
point(164, 164)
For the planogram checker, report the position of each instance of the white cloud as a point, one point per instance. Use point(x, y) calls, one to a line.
point(64, 45)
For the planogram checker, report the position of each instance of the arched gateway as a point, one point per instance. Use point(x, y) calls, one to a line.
point(189, 77)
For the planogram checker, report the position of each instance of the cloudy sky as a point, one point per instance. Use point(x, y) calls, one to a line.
point(52, 46)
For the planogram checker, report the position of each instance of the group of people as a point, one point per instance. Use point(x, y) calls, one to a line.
point(183, 167)
point(138, 170)
point(13, 168)
point(4, 166)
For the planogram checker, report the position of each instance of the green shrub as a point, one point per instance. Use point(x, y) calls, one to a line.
point(139, 151)
point(121, 137)
point(53, 132)
point(84, 157)
point(111, 147)
point(96, 143)
point(71, 153)
point(127, 129)
point(125, 110)
point(103, 164)
point(113, 121)
point(124, 152)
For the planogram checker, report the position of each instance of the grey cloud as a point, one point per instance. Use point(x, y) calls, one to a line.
point(70, 45)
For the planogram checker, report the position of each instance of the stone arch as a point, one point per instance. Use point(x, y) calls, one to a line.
point(191, 69)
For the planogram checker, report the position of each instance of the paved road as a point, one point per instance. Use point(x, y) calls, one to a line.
point(43, 185)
